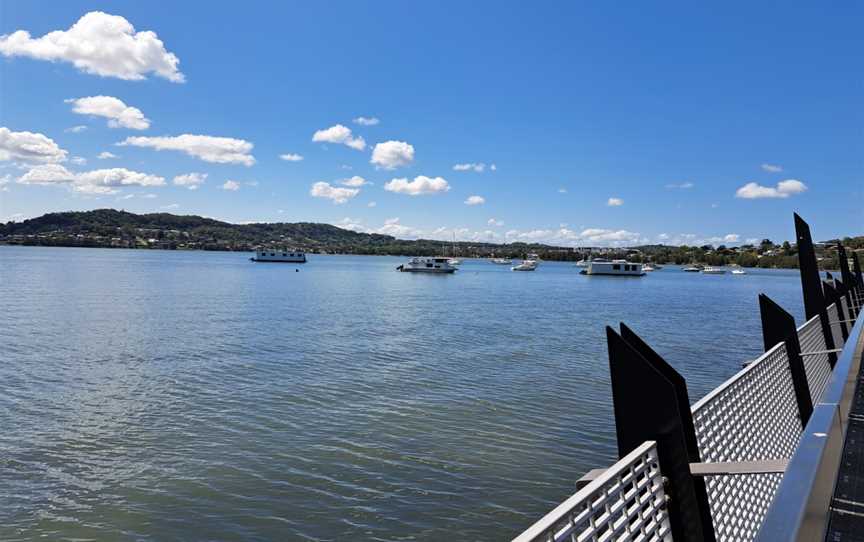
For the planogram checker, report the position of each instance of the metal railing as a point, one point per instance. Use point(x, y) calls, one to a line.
point(626, 502)
point(725, 461)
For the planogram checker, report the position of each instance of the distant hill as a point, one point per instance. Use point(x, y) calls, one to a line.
point(112, 228)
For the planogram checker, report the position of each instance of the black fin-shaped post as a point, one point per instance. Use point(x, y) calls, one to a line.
point(811, 284)
point(833, 296)
point(686, 416)
point(844, 265)
point(646, 408)
point(779, 326)
point(856, 265)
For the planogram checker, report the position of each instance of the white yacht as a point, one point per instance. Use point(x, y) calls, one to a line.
point(648, 268)
point(621, 268)
point(692, 268)
point(437, 264)
point(526, 265)
point(502, 261)
point(455, 262)
point(711, 270)
point(738, 270)
point(282, 255)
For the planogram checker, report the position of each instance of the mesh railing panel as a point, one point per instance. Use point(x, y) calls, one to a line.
point(834, 317)
point(626, 502)
point(818, 367)
point(752, 416)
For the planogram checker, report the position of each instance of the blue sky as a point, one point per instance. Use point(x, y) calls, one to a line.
point(671, 111)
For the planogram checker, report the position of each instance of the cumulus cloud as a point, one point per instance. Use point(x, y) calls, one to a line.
point(217, 150)
point(366, 121)
point(494, 222)
point(615, 202)
point(392, 154)
point(78, 160)
point(680, 186)
point(731, 238)
point(784, 189)
point(29, 147)
point(341, 135)
point(99, 181)
point(420, 186)
point(76, 129)
point(119, 114)
point(354, 182)
point(479, 168)
point(771, 168)
point(372, 204)
point(475, 200)
point(170, 206)
point(190, 180)
point(291, 157)
point(99, 44)
point(232, 186)
point(105, 155)
point(564, 236)
point(336, 194)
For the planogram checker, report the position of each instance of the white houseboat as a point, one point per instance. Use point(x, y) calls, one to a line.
point(621, 268)
point(428, 265)
point(281, 255)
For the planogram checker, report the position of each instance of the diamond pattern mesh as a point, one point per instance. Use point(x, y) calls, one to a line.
point(818, 368)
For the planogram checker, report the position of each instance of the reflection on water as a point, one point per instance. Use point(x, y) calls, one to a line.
point(171, 395)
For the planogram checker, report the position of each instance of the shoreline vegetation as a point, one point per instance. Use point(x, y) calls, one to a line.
point(109, 228)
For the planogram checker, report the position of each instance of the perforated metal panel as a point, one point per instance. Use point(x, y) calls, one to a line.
point(752, 416)
point(626, 502)
point(818, 367)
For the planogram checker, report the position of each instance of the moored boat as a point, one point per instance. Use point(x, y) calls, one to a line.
point(502, 261)
point(526, 265)
point(282, 255)
point(711, 270)
point(435, 264)
point(621, 268)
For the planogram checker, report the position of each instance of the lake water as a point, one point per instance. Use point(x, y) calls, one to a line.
point(150, 395)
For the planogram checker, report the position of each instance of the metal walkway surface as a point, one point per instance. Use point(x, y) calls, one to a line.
point(846, 523)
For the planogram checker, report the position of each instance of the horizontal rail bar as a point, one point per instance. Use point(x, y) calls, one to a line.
point(820, 352)
point(720, 468)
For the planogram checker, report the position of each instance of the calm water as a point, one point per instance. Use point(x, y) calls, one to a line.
point(170, 395)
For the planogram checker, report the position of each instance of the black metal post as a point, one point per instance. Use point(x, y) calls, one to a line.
point(647, 408)
point(811, 284)
point(857, 266)
point(834, 297)
point(779, 326)
point(844, 265)
point(686, 416)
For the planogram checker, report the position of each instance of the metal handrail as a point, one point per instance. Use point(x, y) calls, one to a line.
point(800, 507)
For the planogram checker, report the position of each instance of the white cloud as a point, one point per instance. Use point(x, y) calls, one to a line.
point(99, 44)
point(339, 134)
point(190, 180)
point(76, 129)
point(354, 182)
point(105, 155)
point(119, 114)
point(392, 154)
point(233, 186)
point(149, 196)
point(366, 121)
point(291, 157)
point(615, 202)
point(99, 181)
point(493, 167)
point(479, 168)
point(567, 237)
point(4, 180)
point(493, 222)
point(562, 190)
point(217, 150)
point(475, 200)
point(752, 241)
point(372, 204)
point(337, 195)
point(170, 206)
point(784, 189)
point(29, 147)
point(78, 160)
point(771, 168)
point(421, 185)
point(731, 238)
point(680, 186)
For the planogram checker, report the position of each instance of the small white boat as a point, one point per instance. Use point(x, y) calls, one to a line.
point(738, 271)
point(648, 268)
point(583, 263)
point(621, 268)
point(502, 261)
point(455, 261)
point(282, 255)
point(526, 265)
point(692, 269)
point(427, 265)
point(711, 270)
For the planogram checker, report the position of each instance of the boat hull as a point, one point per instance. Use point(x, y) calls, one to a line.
point(432, 271)
point(277, 261)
